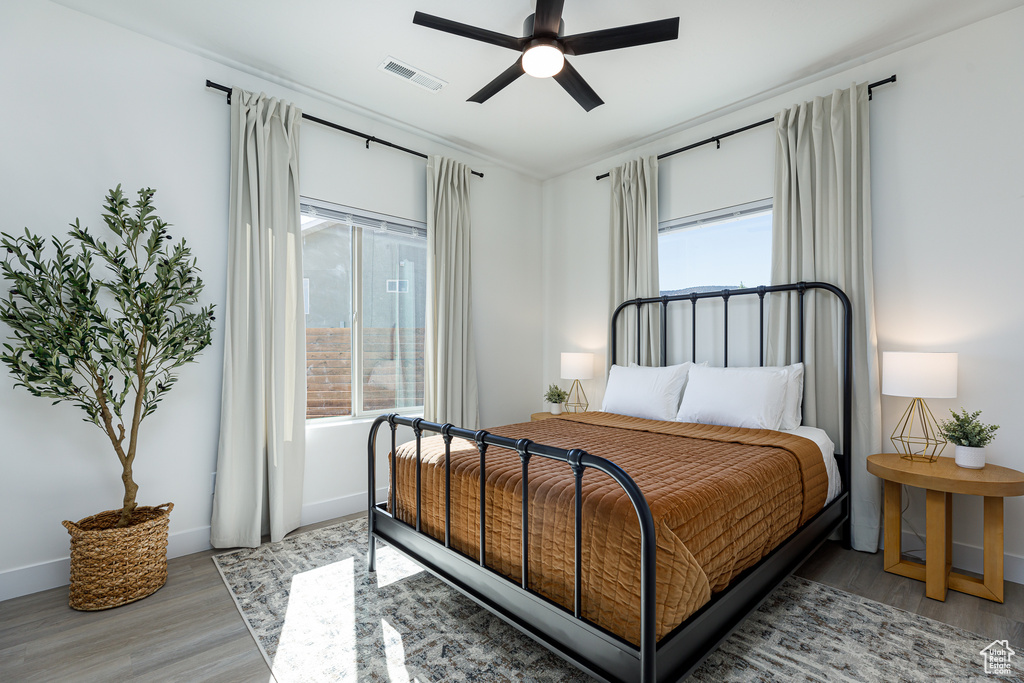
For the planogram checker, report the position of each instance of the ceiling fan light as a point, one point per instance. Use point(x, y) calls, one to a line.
point(543, 60)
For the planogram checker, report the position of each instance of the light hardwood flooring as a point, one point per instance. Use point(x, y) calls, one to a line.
point(862, 574)
point(190, 630)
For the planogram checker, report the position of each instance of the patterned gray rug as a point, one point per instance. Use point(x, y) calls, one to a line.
point(318, 615)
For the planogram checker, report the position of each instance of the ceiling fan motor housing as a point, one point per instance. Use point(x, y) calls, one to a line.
point(528, 26)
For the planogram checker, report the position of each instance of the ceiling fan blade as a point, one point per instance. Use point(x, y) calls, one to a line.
point(547, 18)
point(570, 79)
point(504, 78)
point(467, 31)
point(623, 36)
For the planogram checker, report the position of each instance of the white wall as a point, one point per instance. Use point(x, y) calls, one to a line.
point(947, 178)
point(89, 105)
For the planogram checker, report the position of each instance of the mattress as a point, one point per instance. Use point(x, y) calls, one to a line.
point(828, 456)
point(721, 498)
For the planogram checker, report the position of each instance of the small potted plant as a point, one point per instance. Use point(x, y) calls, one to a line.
point(104, 327)
point(556, 396)
point(970, 436)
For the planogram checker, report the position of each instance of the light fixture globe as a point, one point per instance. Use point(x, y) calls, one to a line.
point(543, 58)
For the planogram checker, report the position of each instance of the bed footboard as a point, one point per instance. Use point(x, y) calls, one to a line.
point(564, 630)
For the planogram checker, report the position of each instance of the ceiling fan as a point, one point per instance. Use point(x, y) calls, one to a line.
point(544, 47)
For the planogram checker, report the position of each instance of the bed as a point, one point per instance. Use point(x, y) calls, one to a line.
point(648, 541)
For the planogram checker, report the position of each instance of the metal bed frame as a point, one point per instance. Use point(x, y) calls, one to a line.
point(566, 632)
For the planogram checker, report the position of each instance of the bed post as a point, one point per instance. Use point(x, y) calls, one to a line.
point(760, 324)
point(446, 436)
point(371, 508)
point(648, 561)
point(848, 416)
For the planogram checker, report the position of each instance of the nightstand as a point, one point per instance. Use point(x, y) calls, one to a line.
point(942, 479)
point(536, 417)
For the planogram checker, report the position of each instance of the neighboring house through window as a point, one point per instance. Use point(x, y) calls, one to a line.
point(723, 249)
point(364, 283)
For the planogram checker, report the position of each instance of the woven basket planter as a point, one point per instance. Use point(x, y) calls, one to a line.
point(111, 566)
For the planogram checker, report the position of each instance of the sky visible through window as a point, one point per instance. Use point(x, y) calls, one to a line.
point(727, 253)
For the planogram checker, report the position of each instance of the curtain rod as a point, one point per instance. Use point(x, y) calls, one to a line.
point(717, 139)
point(343, 129)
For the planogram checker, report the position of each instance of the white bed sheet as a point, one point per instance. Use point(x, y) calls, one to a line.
point(828, 454)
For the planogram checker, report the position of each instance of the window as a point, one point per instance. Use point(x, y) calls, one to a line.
point(724, 249)
point(365, 296)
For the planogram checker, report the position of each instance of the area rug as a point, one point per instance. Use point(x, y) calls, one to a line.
point(318, 615)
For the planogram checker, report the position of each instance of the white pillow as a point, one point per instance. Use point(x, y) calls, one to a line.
point(792, 412)
point(738, 397)
point(651, 393)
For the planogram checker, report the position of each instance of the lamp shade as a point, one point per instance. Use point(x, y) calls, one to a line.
point(919, 375)
point(577, 366)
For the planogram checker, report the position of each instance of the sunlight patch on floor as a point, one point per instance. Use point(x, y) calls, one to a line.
point(395, 654)
point(321, 604)
point(394, 566)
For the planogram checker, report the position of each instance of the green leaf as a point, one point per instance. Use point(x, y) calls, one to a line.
point(76, 315)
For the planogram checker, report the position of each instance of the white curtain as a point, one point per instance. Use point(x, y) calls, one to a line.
point(262, 430)
point(450, 391)
point(822, 231)
point(634, 252)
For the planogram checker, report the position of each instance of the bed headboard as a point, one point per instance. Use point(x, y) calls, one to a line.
point(800, 288)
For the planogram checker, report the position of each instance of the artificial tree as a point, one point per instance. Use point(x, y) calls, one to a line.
point(107, 340)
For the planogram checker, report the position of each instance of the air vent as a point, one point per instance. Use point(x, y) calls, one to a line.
point(411, 74)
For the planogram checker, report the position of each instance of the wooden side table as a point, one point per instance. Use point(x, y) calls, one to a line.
point(942, 479)
point(536, 417)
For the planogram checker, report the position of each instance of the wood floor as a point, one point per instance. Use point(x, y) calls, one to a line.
point(190, 629)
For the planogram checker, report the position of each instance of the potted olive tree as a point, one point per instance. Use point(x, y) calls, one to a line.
point(970, 435)
point(104, 327)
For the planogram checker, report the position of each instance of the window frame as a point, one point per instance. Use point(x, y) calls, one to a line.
point(370, 220)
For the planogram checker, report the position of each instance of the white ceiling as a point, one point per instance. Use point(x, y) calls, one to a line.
point(728, 51)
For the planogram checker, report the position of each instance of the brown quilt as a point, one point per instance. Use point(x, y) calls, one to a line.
point(721, 497)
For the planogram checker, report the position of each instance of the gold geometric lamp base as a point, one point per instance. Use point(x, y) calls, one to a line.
point(577, 366)
point(917, 435)
point(577, 401)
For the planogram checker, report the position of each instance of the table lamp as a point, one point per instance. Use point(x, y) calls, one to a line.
point(577, 366)
point(919, 376)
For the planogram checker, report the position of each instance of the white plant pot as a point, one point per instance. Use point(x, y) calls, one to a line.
point(971, 457)
point(556, 408)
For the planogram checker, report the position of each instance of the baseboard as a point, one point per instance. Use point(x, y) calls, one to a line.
point(337, 507)
point(34, 578)
point(188, 542)
point(54, 573)
point(968, 558)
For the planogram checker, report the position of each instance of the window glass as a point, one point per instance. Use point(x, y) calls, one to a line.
point(327, 275)
point(725, 249)
point(394, 307)
point(364, 285)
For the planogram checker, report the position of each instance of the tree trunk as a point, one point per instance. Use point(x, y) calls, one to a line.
point(130, 489)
